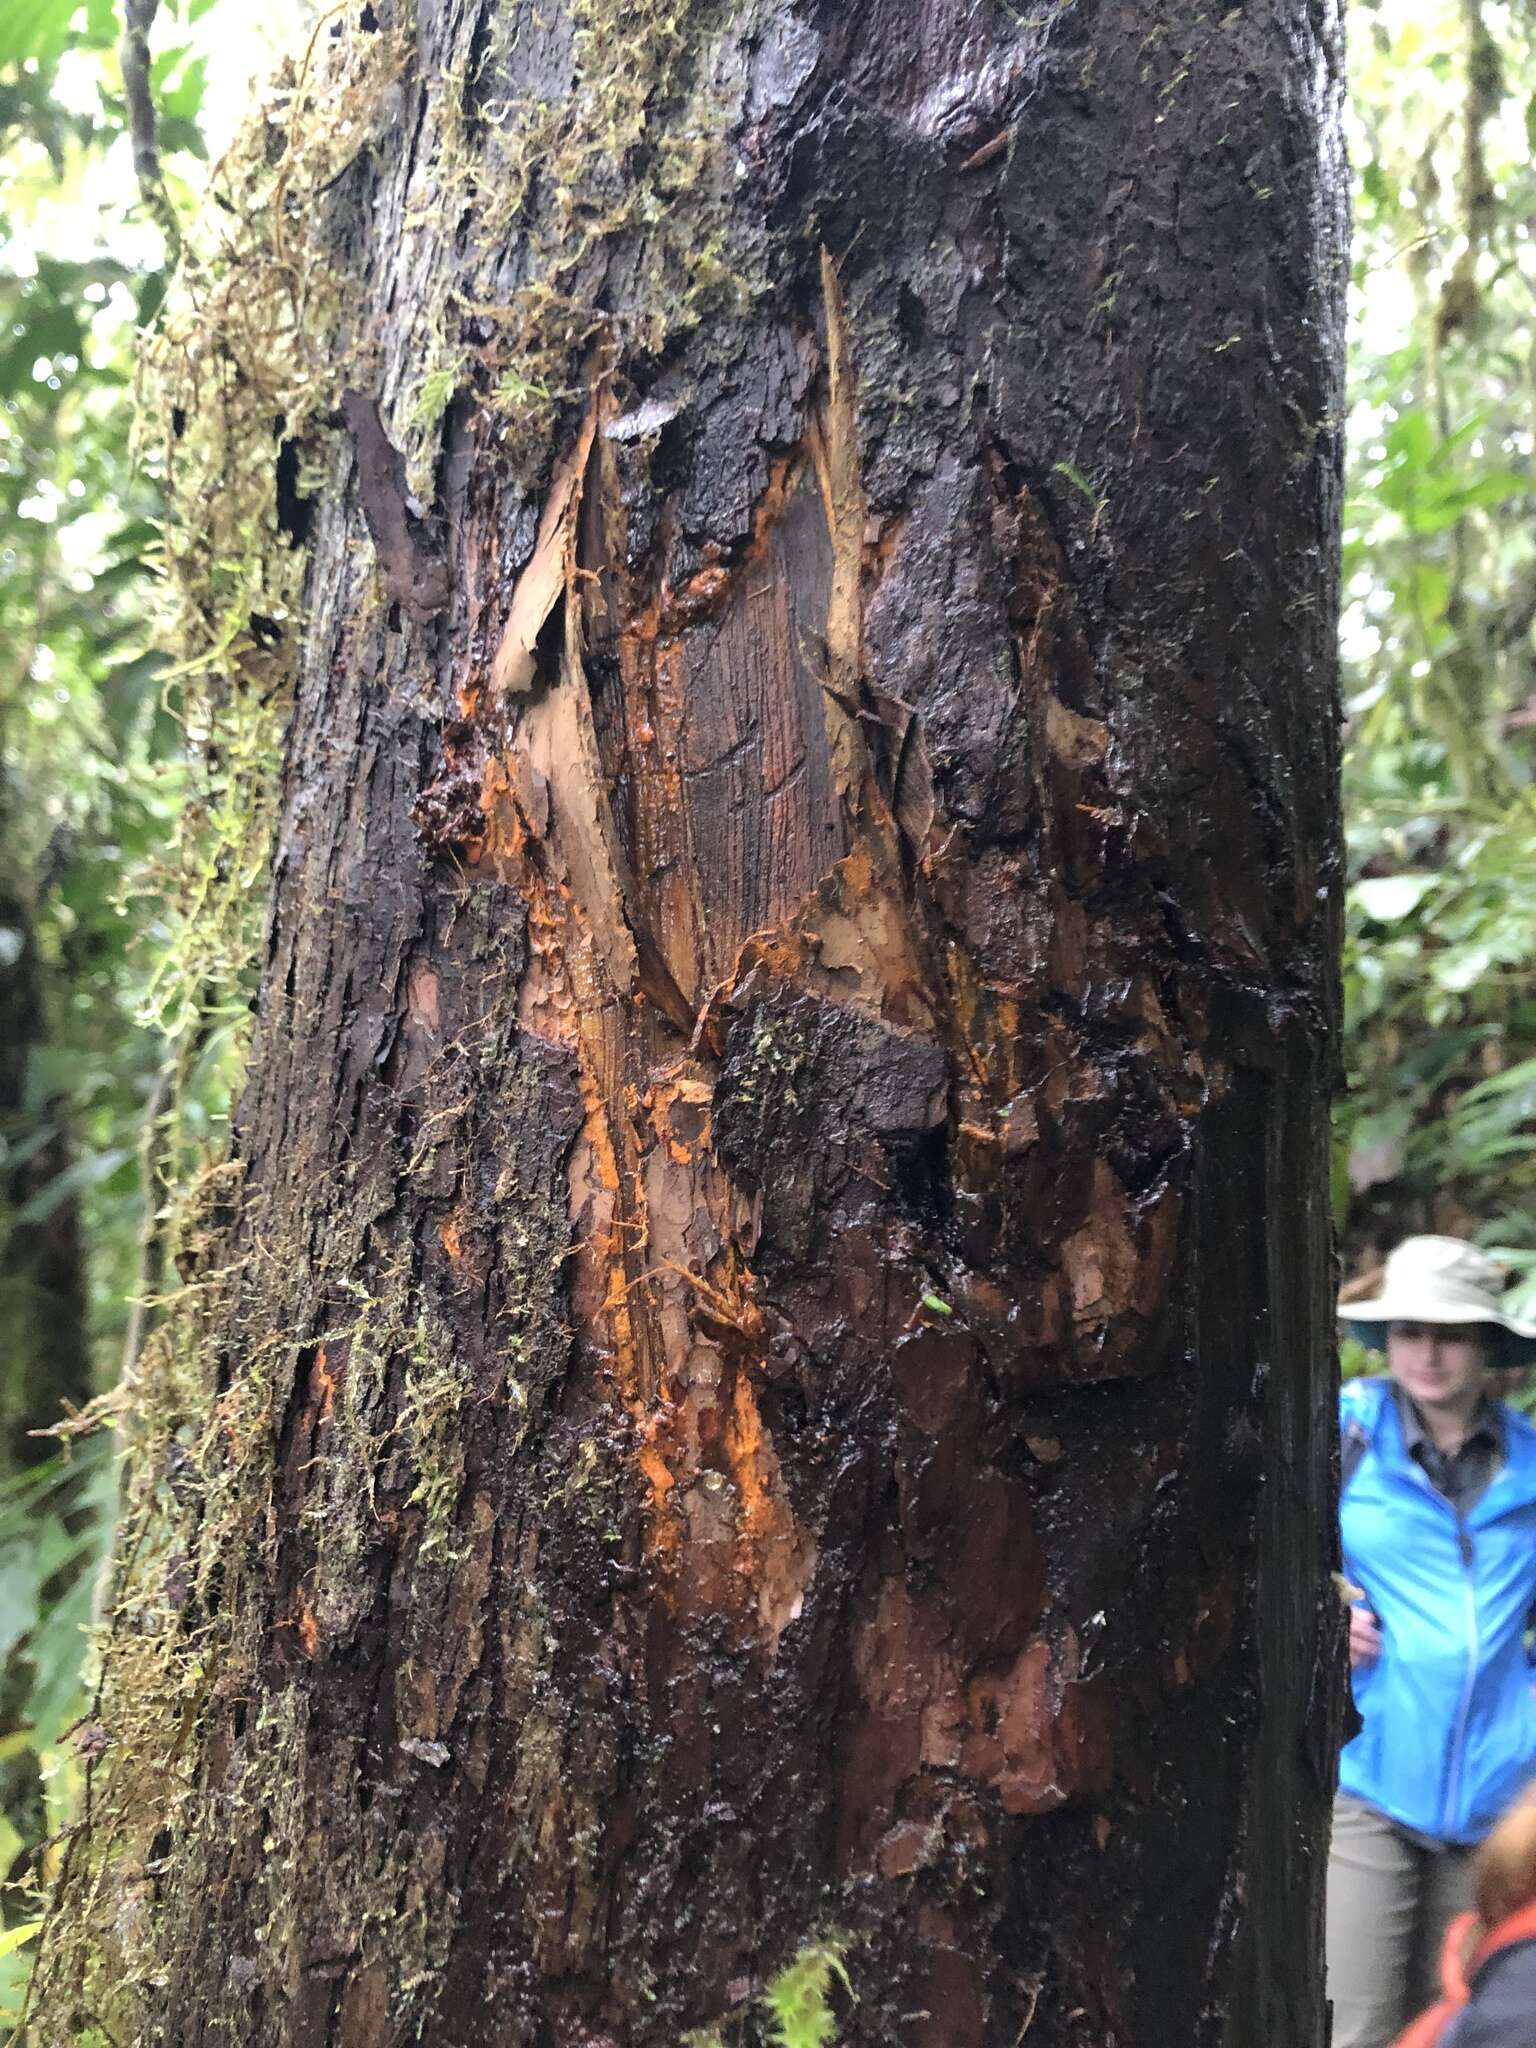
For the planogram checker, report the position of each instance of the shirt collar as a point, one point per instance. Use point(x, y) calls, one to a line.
point(1487, 1424)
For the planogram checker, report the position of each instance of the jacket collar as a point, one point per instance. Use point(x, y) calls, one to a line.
point(1369, 1405)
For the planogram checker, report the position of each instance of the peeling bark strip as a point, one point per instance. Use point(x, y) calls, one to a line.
point(766, 1360)
point(549, 574)
point(416, 579)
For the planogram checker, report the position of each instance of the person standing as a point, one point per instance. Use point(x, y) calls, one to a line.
point(1438, 1519)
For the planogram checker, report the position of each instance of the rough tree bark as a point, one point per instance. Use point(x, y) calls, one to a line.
point(766, 1386)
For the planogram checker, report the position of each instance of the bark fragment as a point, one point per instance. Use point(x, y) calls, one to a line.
point(416, 577)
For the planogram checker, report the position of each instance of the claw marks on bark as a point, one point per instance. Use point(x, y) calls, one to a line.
point(415, 575)
point(1075, 1113)
point(742, 694)
point(835, 448)
point(810, 1097)
point(804, 990)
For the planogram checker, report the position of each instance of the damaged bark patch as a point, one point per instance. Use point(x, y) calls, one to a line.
point(415, 574)
point(449, 813)
point(812, 1091)
point(546, 580)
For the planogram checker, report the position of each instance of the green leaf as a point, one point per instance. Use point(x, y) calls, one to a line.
point(1078, 481)
point(177, 133)
point(1517, 1080)
point(1387, 899)
point(164, 64)
point(1410, 440)
point(19, 1589)
point(18, 1936)
point(1462, 967)
point(184, 100)
point(15, 1152)
point(34, 28)
point(88, 1172)
point(57, 1649)
point(1442, 503)
point(52, 330)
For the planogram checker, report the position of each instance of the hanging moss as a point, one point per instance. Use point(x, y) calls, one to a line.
point(548, 187)
point(796, 2002)
point(246, 360)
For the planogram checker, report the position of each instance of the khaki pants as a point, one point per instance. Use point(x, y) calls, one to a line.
point(1389, 1902)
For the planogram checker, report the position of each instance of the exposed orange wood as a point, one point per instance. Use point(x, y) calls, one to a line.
point(323, 1383)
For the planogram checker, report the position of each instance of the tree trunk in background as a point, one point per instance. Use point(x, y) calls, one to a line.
point(768, 1382)
point(44, 1356)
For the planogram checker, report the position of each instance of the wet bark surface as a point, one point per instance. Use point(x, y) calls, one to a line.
point(776, 1384)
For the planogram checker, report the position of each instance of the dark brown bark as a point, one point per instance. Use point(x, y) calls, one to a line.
point(770, 1378)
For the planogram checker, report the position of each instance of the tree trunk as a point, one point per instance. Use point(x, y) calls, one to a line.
point(47, 1366)
point(757, 1386)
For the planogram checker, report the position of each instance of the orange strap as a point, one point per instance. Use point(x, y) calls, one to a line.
point(1427, 2028)
point(1460, 1961)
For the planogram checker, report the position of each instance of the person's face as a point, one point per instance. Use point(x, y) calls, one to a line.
point(1440, 1365)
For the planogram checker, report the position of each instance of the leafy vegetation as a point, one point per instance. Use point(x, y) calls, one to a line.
point(798, 2000)
point(796, 2003)
point(1439, 1127)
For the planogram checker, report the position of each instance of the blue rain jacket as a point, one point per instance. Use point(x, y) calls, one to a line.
point(1449, 1711)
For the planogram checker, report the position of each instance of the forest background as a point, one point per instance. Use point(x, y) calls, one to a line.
point(114, 860)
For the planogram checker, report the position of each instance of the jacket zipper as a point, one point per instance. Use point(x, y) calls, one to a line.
point(1464, 1711)
point(1465, 1551)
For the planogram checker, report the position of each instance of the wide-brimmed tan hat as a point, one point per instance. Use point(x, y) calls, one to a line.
point(1439, 1280)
